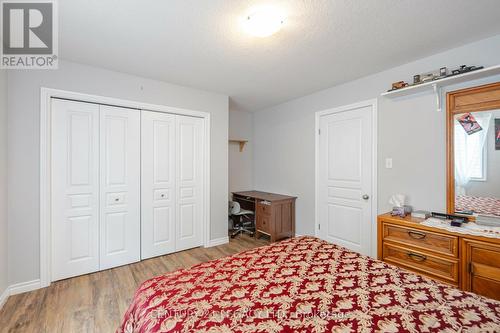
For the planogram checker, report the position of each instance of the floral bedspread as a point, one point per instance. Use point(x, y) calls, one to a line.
point(480, 205)
point(304, 285)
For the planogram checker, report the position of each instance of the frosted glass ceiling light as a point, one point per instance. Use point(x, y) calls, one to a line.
point(264, 22)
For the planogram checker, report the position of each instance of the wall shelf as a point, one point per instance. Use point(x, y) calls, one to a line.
point(438, 84)
point(242, 143)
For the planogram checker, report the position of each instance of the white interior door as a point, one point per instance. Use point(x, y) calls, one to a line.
point(157, 184)
point(75, 188)
point(189, 182)
point(119, 186)
point(345, 178)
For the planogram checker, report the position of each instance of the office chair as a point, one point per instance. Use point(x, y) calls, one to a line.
point(239, 224)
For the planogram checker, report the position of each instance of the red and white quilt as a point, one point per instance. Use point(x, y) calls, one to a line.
point(480, 205)
point(304, 285)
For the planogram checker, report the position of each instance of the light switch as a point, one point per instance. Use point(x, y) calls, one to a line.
point(388, 163)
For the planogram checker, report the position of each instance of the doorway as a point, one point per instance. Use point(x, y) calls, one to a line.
point(346, 176)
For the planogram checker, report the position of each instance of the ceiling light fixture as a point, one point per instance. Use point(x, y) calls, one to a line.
point(263, 22)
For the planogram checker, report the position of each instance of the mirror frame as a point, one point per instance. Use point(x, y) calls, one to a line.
point(475, 99)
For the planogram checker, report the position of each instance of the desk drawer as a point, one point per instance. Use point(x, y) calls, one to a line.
point(424, 240)
point(437, 267)
point(263, 223)
point(264, 208)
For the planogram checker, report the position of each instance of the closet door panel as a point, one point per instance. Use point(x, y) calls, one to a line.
point(120, 186)
point(189, 173)
point(75, 188)
point(157, 184)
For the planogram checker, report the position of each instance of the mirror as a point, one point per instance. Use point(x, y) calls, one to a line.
point(477, 163)
point(474, 152)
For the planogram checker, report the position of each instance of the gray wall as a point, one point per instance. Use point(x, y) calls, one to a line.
point(490, 187)
point(240, 163)
point(3, 182)
point(409, 130)
point(24, 152)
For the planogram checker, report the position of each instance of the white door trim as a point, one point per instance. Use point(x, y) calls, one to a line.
point(45, 157)
point(373, 104)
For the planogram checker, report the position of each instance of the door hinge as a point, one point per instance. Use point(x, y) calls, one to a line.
point(471, 268)
point(319, 226)
point(319, 131)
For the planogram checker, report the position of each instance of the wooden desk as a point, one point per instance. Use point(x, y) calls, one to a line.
point(274, 213)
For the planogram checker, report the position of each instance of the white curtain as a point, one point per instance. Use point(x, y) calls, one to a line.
point(468, 149)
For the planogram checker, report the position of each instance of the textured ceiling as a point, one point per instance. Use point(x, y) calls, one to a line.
point(200, 44)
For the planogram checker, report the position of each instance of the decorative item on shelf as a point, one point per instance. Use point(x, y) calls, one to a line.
point(443, 72)
point(465, 69)
point(440, 82)
point(421, 214)
point(427, 77)
point(399, 85)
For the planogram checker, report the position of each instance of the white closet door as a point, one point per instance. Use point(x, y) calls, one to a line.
point(189, 182)
point(75, 188)
point(120, 186)
point(157, 184)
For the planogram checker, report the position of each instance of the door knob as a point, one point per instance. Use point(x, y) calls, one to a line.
point(366, 196)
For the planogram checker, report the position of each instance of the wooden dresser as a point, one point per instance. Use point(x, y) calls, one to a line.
point(274, 213)
point(468, 262)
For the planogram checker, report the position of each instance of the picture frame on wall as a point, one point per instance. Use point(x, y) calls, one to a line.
point(469, 123)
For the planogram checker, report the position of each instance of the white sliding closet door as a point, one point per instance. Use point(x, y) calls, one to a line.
point(189, 182)
point(158, 184)
point(75, 188)
point(125, 184)
point(172, 183)
point(120, 186)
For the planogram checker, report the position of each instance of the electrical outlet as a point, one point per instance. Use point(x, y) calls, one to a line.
point(388, 163)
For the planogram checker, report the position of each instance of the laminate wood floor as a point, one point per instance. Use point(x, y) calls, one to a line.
point(97, 302)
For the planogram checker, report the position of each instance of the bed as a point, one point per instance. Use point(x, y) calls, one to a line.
point(304, 285)
point(480, 205)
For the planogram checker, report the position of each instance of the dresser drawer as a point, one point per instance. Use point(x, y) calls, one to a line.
point(262, 223)
point(263, 208)
point(437, 267)
point(424, 240)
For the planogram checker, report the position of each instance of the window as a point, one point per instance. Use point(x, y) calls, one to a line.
point(467, 148)
point(478, 172)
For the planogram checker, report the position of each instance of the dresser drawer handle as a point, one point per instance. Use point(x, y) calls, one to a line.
point(416, 235)
point(416, 256)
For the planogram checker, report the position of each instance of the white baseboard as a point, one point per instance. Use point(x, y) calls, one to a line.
point(218, 241)
point(4, 296)
point(19, 288)
point(24, 287)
